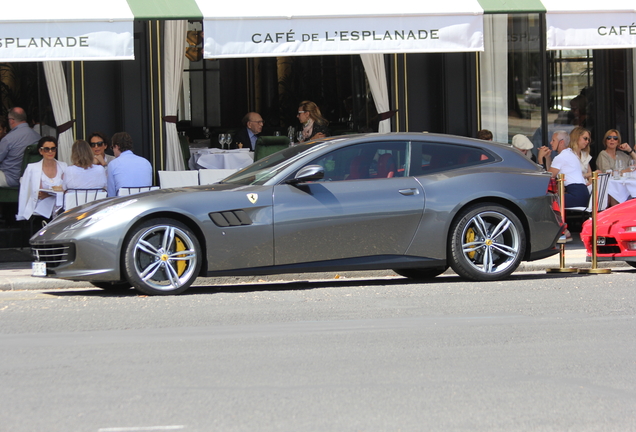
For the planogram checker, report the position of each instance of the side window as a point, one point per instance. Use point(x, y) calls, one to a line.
point(365, 161)
point(436, 157)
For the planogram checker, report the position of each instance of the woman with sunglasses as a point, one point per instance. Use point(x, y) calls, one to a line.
point(41, 184)
point(99, 143)
point(580, 140)
point(315, 126)
point(607, 158)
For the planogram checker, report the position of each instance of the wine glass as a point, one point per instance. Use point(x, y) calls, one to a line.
point(632, 166)
point(299, 136)
point(221, 139)
point(228, 140)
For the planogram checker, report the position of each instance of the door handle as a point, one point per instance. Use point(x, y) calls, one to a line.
point(409, 191)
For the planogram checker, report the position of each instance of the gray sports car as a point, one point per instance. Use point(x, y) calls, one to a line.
point(415, 203)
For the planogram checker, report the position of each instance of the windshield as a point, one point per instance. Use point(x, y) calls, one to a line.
point(264, 169)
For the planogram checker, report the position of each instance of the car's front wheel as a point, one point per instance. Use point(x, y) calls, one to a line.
point(162, 256)
point(487, 242)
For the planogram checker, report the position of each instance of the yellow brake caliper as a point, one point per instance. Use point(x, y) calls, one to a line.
point(181, 265)
point(470, 237)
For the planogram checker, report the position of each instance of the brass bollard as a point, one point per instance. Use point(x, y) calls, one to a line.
point(594, 269)
point(562, 268)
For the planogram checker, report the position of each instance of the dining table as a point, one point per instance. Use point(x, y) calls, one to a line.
point(622, 188)
point(214, 158)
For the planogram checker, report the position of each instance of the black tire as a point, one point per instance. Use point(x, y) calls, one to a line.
point(421, 273)
point(162, 257)
point(112, 286)
point(631, 263)
point(487, 242)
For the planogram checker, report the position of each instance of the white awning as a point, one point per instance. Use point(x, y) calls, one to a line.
point(595, 25)
point(251, 28)
point(36, 30)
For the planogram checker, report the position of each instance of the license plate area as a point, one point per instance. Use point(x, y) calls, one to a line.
point(38, 269)
point(600, 241)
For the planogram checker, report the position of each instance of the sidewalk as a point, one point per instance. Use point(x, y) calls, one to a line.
point(15, 271)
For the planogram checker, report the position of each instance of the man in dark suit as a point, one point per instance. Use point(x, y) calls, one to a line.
point(247, 135)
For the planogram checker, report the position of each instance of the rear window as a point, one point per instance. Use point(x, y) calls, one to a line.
point(429, 158)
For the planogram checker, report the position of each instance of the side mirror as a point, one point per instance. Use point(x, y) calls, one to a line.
point(308, 174)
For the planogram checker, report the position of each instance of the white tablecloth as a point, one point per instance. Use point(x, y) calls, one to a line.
point(220, 159)
point(621, 189)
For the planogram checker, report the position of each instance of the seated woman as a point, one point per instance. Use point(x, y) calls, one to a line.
point(39, 178)
point(315, 126)
point(608, 158)
point(568, 163)
point(99, 143)
point(580, 140)
point(83, 174)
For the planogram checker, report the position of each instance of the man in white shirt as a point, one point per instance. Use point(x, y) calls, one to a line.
point(128, 169)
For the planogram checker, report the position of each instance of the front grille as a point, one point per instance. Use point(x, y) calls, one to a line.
point(53, 255)
point(610, 247)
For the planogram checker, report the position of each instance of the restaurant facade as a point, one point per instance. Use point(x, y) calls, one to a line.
point(163, 68)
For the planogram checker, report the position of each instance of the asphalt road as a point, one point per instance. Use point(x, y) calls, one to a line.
point(534, 353)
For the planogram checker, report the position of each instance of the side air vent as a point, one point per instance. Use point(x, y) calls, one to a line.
point(230, 218)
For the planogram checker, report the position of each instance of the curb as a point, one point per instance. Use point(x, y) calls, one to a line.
point(21, 279)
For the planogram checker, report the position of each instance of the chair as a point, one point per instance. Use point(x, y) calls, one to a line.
point(267, 145)
point(77, 197)
point(386, 166)
point(171, 179)
point(359, 168)
point(211, 176)
point(185, 150)
point(583, 213)
point(124, 191)
point(10, 194)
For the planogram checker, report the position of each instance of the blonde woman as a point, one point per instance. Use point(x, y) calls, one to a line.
point(84, 174)
point(607, 158)
point(580, 140)
point(315, 126)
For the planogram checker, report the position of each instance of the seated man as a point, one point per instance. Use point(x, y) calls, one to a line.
point(13, 145)
point(247, 135)
point(128, 169)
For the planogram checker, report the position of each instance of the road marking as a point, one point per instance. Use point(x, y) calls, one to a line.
point(141, 428)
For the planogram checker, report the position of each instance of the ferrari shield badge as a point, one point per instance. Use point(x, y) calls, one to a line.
point(252, 197)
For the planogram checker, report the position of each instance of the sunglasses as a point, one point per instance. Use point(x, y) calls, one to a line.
point(97, 144)
point(612, 137)
point(48, 149)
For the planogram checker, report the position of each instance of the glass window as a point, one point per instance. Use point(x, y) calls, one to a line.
point(437, 157)
point(365, 161)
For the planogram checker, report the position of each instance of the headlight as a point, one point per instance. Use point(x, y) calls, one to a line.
point(86, 220)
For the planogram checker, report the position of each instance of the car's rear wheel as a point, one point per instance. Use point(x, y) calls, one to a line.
point(487, 242)
point(162, 256)
point(631, 263)
point(113, 286)
point(423, 273)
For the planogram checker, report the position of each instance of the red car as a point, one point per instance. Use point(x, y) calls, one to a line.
point(615, 234)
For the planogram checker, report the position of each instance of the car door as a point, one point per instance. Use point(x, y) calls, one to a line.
point(366, 205)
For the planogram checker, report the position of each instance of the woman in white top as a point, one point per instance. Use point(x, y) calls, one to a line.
point(41, 184)
point(83, 174)
point(568, 163)
point(580, 139)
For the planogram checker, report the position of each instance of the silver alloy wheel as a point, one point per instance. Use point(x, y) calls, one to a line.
point(491, 242)
point(165, 257)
